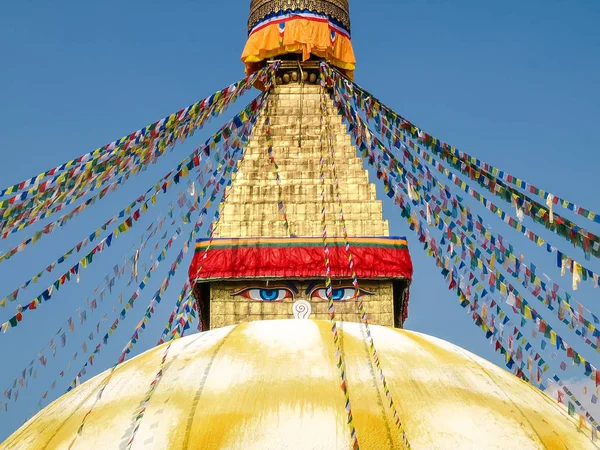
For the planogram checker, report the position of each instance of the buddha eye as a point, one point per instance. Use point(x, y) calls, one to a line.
point(339, 294)
point(265, 294)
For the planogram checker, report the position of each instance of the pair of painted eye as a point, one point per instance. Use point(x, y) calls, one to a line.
point(278, 294)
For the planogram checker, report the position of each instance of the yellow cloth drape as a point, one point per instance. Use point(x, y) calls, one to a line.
point(300, 35)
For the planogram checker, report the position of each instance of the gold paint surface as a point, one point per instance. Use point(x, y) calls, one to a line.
point(251, 209)
point(227, 309)
point(274, 385)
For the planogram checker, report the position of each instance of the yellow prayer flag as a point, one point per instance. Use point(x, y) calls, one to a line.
point(577, 272)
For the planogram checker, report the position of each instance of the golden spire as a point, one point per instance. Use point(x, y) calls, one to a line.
point(338, 10)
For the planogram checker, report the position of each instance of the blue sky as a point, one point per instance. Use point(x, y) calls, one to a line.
point(514, 83)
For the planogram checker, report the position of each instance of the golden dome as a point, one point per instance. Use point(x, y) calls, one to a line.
point(275, 385)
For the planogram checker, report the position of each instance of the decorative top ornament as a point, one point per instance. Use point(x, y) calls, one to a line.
point(299, 30)
point(338, 10)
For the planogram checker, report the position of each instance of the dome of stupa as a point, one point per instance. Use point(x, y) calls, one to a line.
point(275, 385)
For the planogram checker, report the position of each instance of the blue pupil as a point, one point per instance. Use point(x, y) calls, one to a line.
point(269, 295)
point(338, 294)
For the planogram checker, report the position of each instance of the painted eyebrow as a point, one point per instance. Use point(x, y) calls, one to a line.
point(292, 286)
point(311, 287)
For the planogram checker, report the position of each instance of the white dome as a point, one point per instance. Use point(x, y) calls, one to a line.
point(275, 385)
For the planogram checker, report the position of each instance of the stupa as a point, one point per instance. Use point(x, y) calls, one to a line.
point(266, 374)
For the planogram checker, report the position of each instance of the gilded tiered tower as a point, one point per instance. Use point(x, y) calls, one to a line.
point(279, 180)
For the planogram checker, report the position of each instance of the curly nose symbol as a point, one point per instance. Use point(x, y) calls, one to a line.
point(302, 309)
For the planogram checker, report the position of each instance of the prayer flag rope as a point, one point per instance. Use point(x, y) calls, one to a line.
point(424, 237)
point(490, 330)
point(572, 397)
point(20, 223)
point(158, 377)
point(144, 405)
point(415, 225)
point(476, 167)
point(187, 314)
point(125, 168)
point(498, 247)
point(269, 138)
point(156, 299)
point(106, 336)
point(527, 312)
point(129, 305)
point(331, 307)
point(51, 202)
point(380, 174)
point(173, 176)
point(45, 296)
point(226, 132)
point(168, 327)
point(579, 318)
point(163, 127)
point(228, 169)
point(154, 384)
point(585, 242)
point(536, 286)
point(579, 272)
point(228, 166)
point(70, 324)
point(355, 283)
point(103, 386)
